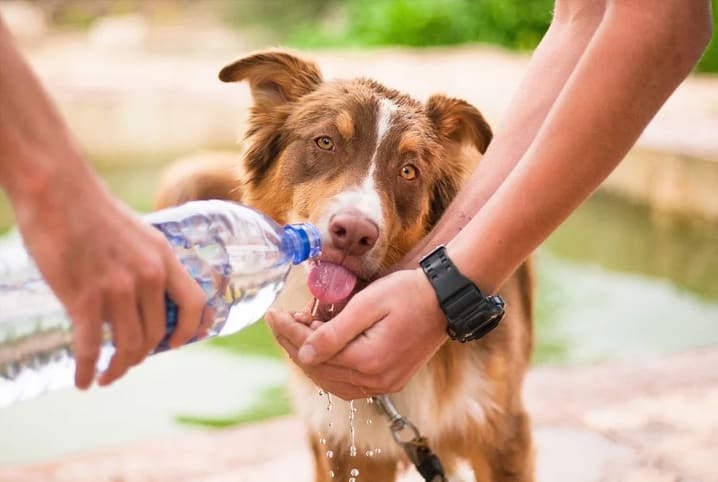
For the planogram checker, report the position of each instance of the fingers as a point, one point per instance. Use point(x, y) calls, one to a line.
point(291, 333)
point(331, 381)
point(190, 300)
point(327, 340)
point(87, 338)
point(304, 317)
point(127, 333)
point(152, 308)
point(285, 325)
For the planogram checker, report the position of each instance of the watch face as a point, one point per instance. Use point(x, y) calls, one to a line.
point(477, 320)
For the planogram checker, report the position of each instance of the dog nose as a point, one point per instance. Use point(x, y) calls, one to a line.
point(353, 233)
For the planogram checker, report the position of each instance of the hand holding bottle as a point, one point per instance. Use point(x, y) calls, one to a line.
point(107, 265)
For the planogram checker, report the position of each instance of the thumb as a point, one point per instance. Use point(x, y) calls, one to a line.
point(334, 335)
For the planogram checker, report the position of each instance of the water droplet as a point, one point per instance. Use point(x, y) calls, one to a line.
point(352, 430)
point(330, 454)
point(323, 441)
point(331, 424)
point(370, 400)
point(321, 392)
point(331, 474)
point(368, 421)
point(377, 451)
point(354, 472)
point(315, 307)
point(352, 479)
point(369, 453)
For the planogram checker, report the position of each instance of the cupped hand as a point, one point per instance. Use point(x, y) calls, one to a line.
point(291, 330)
point(383, 336)
point(106, 265)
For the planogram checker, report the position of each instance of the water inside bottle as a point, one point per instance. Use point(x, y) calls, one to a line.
point(237, 268)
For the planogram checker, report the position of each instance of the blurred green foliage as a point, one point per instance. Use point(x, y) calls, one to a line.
point(511, 23)
point(254, 340)
point(514, 24)
point(709, 62)
point(272, 402)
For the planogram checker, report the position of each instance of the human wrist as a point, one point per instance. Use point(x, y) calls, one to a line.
point(43, 181)
point(36, 175)
point(434, 313)
point(470, 314)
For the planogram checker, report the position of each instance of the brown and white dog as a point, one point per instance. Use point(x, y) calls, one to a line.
point(374, 169)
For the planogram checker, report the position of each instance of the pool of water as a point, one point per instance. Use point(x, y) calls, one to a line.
point(614, 282)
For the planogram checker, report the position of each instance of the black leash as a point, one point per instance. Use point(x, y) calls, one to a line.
point(415, 445)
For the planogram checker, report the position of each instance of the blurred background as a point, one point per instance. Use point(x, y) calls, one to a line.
point(632, 275)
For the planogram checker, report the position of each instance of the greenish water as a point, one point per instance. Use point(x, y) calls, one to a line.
point(623, 237)
point(615, 281)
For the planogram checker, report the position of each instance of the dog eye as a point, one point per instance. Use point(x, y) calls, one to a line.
point(325, 143)
point(409, 172)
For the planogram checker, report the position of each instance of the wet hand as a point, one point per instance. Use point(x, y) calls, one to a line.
point(290, 330)
point(383, 336)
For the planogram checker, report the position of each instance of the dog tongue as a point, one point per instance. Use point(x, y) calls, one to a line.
point(331, 283)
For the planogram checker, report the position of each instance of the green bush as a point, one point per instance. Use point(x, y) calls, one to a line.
point(515, 24)
point(709, 62)
point(511, 23)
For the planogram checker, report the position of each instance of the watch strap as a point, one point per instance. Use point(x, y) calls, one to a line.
point(469, 312)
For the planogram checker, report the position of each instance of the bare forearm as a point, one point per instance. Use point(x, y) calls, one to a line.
point(551, 64)
point(30, 128)
point(617, 87)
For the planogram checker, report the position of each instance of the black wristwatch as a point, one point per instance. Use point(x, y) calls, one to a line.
point(471, 315)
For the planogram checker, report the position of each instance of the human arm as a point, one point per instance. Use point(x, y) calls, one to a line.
point(101, 260)
point(640, 53)
point(592, 112)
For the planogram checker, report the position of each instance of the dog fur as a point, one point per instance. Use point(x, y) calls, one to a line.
point(388, 166)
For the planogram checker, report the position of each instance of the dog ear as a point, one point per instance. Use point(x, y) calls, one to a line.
point(275, 77)
point(459, 121)
point(460, 125)
point(443, 192)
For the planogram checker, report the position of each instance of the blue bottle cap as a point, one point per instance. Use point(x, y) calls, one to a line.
point(305, 241)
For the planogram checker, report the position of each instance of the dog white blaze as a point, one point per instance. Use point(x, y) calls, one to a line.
point(365, 197)
point(387, 109)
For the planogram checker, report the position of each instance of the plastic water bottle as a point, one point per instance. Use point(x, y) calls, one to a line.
point(238, 256)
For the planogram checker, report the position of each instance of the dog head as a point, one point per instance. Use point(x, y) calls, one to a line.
point(371, 167)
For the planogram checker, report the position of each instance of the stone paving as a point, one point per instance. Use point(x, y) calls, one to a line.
point(640, 421)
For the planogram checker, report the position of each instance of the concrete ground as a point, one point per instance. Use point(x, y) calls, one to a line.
point(640, 421)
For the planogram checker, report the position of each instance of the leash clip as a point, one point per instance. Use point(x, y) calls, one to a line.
point(416, 446)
